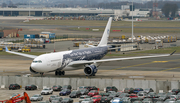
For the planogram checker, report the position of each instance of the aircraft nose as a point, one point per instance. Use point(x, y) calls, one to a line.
point(33, 66)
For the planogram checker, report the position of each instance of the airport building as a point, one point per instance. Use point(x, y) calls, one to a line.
point(71, 12)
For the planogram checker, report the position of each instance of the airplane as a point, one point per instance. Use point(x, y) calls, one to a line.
point(88, 59)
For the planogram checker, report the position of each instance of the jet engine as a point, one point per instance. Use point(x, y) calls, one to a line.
point(32, 70)
point(90, 70)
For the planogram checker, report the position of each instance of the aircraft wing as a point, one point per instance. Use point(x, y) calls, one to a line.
point(76, 63)
point(21, 54)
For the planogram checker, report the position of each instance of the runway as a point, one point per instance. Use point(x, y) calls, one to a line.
point(165, 68)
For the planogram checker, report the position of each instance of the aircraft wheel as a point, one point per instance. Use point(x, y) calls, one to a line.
point(56, 73)
point(63, 73)
point(60, 73)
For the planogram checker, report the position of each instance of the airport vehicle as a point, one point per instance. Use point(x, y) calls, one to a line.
point(24, 49)
point(88, 58)
point(65, 92)
point(136, 90)
point(129, 90)
point(93, 93)
point(52, 97)
point(67, 100)
point(67, 87)
point(14, 86)
point(111, 88)
point(87, 100)
point(83, 97)
point(84, 91)
point(47, 91)
point(57, 88)
point(96, 98)
point(30, 87)
point(105, 100)
point(36, 97)
point(147, 90)
point(57, 100)
point(75, 93)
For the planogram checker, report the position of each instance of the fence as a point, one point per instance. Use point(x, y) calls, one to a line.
point(100, 83)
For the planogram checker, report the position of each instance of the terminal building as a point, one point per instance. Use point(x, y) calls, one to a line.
point(71, 12)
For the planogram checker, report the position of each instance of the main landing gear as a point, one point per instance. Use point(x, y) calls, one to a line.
point(59, 72)
point(41, 74)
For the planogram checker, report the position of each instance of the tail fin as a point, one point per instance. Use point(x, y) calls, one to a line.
point(105, 36)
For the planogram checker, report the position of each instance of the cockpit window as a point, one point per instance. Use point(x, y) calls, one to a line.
point(39, 61)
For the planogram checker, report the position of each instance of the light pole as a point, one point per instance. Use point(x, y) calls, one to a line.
point(29, 8)
point(132, 21)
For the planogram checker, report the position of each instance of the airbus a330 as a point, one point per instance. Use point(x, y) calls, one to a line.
point(87, 59)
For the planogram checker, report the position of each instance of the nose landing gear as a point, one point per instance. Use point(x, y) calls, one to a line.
point(59, 72)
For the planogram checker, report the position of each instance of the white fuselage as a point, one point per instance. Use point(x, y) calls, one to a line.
point(60, 60)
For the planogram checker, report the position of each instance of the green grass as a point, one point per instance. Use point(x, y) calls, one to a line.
point(146, 52)
point(136, 30)
point(103, 23)
point(161, 51)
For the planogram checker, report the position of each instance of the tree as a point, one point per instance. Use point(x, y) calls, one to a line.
point(170, 10)
point(4, 5)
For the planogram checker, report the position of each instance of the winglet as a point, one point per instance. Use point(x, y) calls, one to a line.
point(173, 52)
point(6, 49)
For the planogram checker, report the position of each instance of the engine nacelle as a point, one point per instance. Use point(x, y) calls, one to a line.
point(32, 70)
point(90, 70)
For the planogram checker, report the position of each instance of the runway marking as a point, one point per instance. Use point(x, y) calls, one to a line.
point(160, 61)
point(169, 69)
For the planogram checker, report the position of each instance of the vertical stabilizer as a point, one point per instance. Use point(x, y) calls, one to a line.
point(104, 39)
